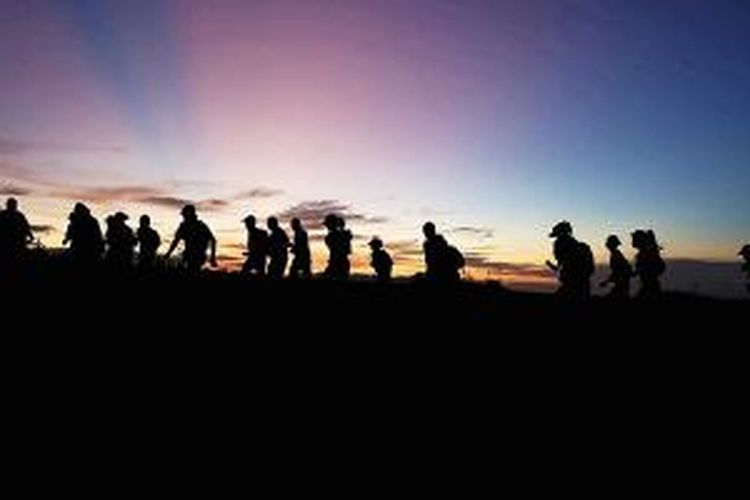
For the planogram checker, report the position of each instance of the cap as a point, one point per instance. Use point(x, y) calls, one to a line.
point(561, 228)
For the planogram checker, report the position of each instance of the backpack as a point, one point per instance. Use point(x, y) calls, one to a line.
point(585, 259)
point(456, 257)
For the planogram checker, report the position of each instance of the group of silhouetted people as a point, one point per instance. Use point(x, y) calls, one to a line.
point(116, 247)
point(575, 264)
point(268, 251)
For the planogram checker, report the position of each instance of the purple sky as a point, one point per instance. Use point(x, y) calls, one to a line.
point(494, 119)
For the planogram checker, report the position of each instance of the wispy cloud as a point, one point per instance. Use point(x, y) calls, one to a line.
point(120, 193)
point(211, 204)
point(146, 195)
point(15, 146)
point(7, 189)
point(258, 193)
point(42, 228)
point(478, 232)
point(478, 260)
point(163, 201)
point(312, 213)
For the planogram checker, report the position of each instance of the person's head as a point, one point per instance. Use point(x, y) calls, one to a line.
point(331, 222)
point(745, 252)
point(120, 217)
point(613, 242)
point(80, 209)
point(562, 228)
point(640, 239)
point(188, 212)
point(428, 229)
point(11, 204)
point(249, 221)
point(296, 224)
point(376, 244)
point(272, 223)
point(145, 221)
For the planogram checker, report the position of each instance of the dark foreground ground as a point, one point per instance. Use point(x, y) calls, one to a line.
point(358, 382)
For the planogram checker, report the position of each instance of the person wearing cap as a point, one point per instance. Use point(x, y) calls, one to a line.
point(380, 261)
point(745, 253)
point(15, 235)
point(563, 250)
point(620, 270)
point(148, 243)
point(120, 243)
point(257, 249)
point(197, 238)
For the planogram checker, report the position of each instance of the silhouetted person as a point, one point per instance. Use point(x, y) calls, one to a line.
point(745, 253)
point(148, 244)
point(197, 238)
point(339, 243)
point(300, 267)
point(442, 261)
point(257, 249)
point(620, 270)
point(380, 261)
point(649, 265)
point(278, 249)
point(15, 235)
point(574, 262)
point(85, 237)
point(120, 243)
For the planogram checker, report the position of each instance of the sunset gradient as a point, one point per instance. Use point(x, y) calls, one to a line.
point(494, 119)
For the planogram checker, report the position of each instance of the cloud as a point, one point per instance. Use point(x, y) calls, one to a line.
point(7, 189)
point(235, 246)
point(42, 228)
point(479, 232)
point(312, 213)
point(477, 260)
point(258, 193)
point(15, 146)
point(211, 205)
point(103, 194)
point(163, 201)
point(146, 195)
point(405, 250)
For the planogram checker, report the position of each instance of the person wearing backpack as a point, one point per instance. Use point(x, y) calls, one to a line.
point(442, 261)
point(574, 262)
point(649, 265)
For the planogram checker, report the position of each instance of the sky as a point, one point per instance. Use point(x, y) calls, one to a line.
point(494, 119)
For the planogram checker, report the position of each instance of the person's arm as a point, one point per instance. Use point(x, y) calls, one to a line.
point(27, 229)
point(175, 242)
point(552, 266)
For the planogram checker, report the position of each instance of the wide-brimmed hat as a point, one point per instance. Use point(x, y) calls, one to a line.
point(560, 229)
point(613, 240)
